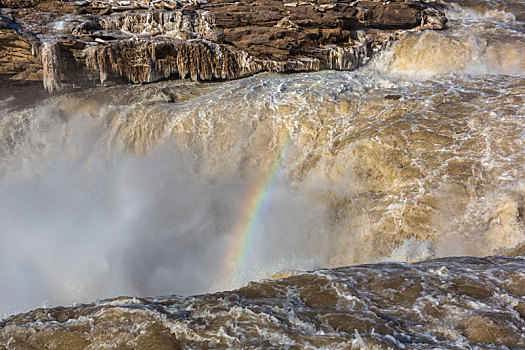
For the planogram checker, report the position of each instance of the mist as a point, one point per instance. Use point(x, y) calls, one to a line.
point(82, 219)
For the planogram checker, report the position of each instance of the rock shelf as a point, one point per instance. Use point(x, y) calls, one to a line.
point(86, 42)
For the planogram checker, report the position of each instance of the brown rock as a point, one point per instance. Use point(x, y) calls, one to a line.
point(19, 3)
point(76, 42)
point(4, 24)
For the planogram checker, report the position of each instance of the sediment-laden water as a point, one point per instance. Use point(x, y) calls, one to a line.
point(186, 188)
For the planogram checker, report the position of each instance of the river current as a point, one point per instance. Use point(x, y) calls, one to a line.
point(412, 165)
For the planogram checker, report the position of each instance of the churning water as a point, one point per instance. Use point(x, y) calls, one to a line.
point(183, 187)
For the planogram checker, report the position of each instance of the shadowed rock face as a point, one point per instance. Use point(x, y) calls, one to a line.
point(60, 42)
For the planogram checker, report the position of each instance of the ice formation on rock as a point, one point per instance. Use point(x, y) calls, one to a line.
point(143, 42)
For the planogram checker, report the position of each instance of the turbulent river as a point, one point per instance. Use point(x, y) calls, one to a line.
point(186, 188)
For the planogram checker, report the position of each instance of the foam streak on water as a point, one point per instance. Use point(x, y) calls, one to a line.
point(135, 190)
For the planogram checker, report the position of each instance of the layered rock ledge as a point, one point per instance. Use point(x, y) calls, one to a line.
point(62, 42)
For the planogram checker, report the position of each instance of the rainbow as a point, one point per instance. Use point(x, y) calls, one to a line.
point(254, 207)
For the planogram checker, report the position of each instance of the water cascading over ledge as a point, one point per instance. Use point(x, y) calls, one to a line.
point(95, 41)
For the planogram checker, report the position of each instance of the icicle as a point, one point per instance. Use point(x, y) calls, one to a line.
point(344, 58)
point(34, 48)
point(206, 24)
point(96, 59)
point(102, 64)
point(50, 57)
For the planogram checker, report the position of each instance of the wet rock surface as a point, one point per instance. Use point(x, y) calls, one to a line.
point(74, 43)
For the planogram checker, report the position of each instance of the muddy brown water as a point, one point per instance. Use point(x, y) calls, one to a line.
point(140, 190)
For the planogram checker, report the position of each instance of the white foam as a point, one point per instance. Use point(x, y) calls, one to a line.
point(412, 250)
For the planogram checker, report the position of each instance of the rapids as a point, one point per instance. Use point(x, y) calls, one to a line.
point(137, 190)
point(452, 303)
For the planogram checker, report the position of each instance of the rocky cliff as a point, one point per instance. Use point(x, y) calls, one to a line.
point(62, 42)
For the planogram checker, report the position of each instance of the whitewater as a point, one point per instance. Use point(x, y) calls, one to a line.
point(328, 210)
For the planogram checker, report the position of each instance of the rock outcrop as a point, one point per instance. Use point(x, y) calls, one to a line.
point(74, 42)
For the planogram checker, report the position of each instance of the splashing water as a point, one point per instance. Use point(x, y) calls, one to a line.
point(247, 229)
point(183, 187)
